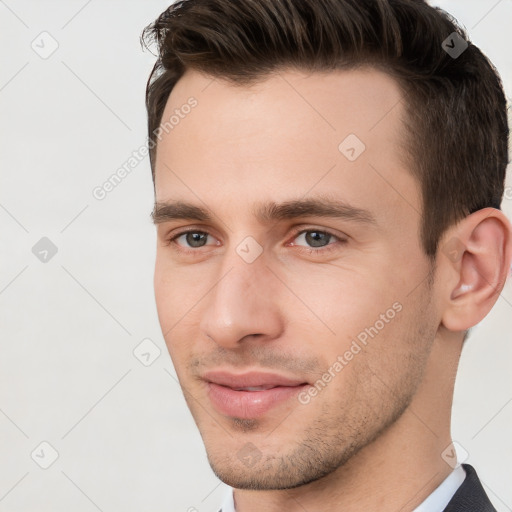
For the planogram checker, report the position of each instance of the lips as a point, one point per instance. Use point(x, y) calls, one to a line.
point(249, 395)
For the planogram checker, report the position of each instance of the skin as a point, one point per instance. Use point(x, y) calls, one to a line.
point(296, 308)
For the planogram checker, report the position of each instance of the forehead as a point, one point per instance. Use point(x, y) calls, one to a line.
point(284, 136)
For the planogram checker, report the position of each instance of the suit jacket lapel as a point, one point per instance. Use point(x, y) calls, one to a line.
point(470, 496)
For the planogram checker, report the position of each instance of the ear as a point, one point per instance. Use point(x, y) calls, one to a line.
point(474, 262)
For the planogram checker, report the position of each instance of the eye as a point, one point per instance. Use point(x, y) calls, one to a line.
point(318, 242)
point(314, 238)
point(190, 239)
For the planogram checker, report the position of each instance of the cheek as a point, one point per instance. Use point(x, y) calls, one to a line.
point(170, 298)
point(162, 285)
point(345, 300)
point(177, 290)
point(361, 316)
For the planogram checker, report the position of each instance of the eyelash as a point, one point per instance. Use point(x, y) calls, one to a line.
point(320, 251)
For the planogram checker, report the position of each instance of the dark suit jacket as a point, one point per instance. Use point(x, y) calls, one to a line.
point(470, 496)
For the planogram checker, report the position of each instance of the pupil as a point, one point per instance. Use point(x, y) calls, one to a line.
point(317, 238)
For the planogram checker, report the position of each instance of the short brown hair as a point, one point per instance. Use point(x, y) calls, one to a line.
point(457, 145)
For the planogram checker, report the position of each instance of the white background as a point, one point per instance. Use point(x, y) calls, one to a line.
point(124, 436)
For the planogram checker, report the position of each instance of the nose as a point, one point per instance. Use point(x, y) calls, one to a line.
point(243, 304)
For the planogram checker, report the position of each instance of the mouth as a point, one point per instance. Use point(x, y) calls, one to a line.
point(250, 395)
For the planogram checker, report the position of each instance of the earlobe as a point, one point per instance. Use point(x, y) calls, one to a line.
point(477, 276)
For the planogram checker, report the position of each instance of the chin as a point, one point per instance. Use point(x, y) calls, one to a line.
point(265, 472)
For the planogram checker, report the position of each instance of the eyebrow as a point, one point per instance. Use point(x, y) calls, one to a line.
point(268, 212)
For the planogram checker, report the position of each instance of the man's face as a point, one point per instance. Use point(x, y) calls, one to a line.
point(297, 335)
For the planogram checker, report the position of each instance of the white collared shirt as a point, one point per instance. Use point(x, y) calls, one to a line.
point(435, 502)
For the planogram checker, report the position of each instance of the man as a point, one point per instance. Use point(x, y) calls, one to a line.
point(328, 176)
